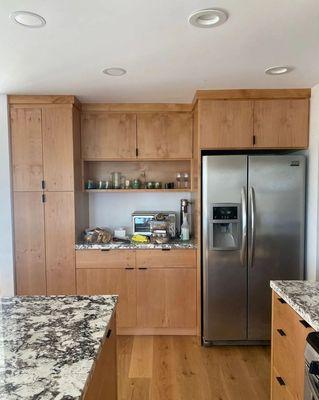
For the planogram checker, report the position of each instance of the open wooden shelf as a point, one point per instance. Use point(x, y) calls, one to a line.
point(137, 190)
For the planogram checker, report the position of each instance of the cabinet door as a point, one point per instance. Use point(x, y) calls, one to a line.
point(164, 135)
point(112, 281)
point(29, 243)
point(59, 240)
point(26, 142)
point(108, 136)
point(281, 123)
point(57, 126)
point(164, 295)
point(226, 124)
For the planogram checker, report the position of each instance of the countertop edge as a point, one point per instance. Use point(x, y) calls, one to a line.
point(298, 308)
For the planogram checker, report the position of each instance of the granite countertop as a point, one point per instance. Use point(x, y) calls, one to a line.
point(302, 296)
point(48, 345)
point(173, 244)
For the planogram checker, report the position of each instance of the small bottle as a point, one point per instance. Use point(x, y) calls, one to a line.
point(179, 180)
point(186, 181)
point(185, 228)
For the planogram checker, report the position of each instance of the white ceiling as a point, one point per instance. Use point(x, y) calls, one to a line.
point(166, 58)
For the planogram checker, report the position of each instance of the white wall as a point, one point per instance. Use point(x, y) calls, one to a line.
point(114, 209)
point(312, 245)
point(6, 242)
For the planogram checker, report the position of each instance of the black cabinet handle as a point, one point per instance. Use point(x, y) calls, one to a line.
point(166, 249)
point(129, 268)
point(282, 301)
point(281, 332)
point(304, 323)
point(142, 268)
point(109, 333)
point(280, 381)
point(105, 249)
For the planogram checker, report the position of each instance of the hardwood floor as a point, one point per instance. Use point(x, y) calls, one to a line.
point(176, 368)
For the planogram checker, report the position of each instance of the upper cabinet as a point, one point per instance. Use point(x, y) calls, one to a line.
point(140, 135)
point(108, 135)
point(164, 135)
point(281, 123)
point(26, 144)
point(42, 148)
point(226, 124)
point(247, 124)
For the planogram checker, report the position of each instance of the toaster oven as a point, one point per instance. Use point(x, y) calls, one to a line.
point(142, 222)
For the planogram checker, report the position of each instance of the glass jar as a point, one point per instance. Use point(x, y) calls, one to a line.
point(179, 180)
point(136, 184)
point(116, 180)
point(186, 180)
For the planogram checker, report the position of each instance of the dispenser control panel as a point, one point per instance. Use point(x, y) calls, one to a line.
point(225, 212)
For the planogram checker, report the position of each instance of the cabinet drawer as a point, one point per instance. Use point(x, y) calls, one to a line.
point(280, 390)
point(105, 259)
point(166, 259)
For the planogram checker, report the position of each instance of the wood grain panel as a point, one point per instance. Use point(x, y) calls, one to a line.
point(26, 144)
point(60, 241)
point(29, 243)
point(281, 123)
point(108, 135)
point(166, 259)
point(137, 107)
point(102, 383)
point(105, 259)
point(112, 281)
point(226, 124)
point(163, 295)
point(57, 126)
point(164, 135)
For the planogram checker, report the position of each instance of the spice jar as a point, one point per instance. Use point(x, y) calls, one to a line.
point(116, 177)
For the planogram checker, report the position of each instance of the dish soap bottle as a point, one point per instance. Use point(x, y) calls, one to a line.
point(185, 228)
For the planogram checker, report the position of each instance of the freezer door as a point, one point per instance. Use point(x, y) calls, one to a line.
point(276, 211)
point(224, 271)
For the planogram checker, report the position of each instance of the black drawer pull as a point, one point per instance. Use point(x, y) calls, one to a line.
point(142, 268)
point(129, 268)
point(105, 249)
point(281, 332)
point(280, 381)
point(166, 249)
point(282, 301)
point(304, 323)
point(109, 333)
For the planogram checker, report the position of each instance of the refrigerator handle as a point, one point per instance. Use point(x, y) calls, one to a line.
point(244, 228)
point(252, 231)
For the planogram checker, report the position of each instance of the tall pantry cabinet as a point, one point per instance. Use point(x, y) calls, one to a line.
point(45, 147)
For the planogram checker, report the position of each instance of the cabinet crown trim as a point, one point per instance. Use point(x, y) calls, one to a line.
point(43, 100)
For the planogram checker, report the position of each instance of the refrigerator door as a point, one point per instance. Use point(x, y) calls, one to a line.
point(276, 210)
point(224, 270)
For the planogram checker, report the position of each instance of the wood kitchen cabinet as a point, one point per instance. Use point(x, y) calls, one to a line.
point(289, 333)
point(157, 289)
point(281, 123)
point(108, 136)
point(29, 243)
point(226, 124)
point(45, 146)
point(250, 124)
point(164, 135)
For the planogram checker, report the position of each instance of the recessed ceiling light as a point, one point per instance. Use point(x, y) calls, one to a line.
point(278, 70)
point(208, 18)
point(28, 19)
point(114, 71)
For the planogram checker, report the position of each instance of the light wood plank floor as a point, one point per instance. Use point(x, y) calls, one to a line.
point(177, 368)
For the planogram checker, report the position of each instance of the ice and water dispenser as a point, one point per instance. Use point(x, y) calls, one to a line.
point(225, 227)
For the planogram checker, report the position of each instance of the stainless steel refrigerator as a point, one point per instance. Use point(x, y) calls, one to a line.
point(253, 216)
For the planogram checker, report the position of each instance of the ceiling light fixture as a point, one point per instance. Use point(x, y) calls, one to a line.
point(114, 71)
point(28, 19)
point(208, 18)
point(278, 70)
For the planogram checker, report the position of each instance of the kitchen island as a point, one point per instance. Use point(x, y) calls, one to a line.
point(57, 348)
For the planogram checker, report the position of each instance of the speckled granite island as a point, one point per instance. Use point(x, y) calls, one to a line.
point(172, 244)
point(53, 347)
point(302, 296)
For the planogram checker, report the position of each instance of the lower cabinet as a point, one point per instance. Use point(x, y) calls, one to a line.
point(157, 289)
point(289, 333)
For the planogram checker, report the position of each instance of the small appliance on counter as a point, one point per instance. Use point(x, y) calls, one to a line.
point(142, 222)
